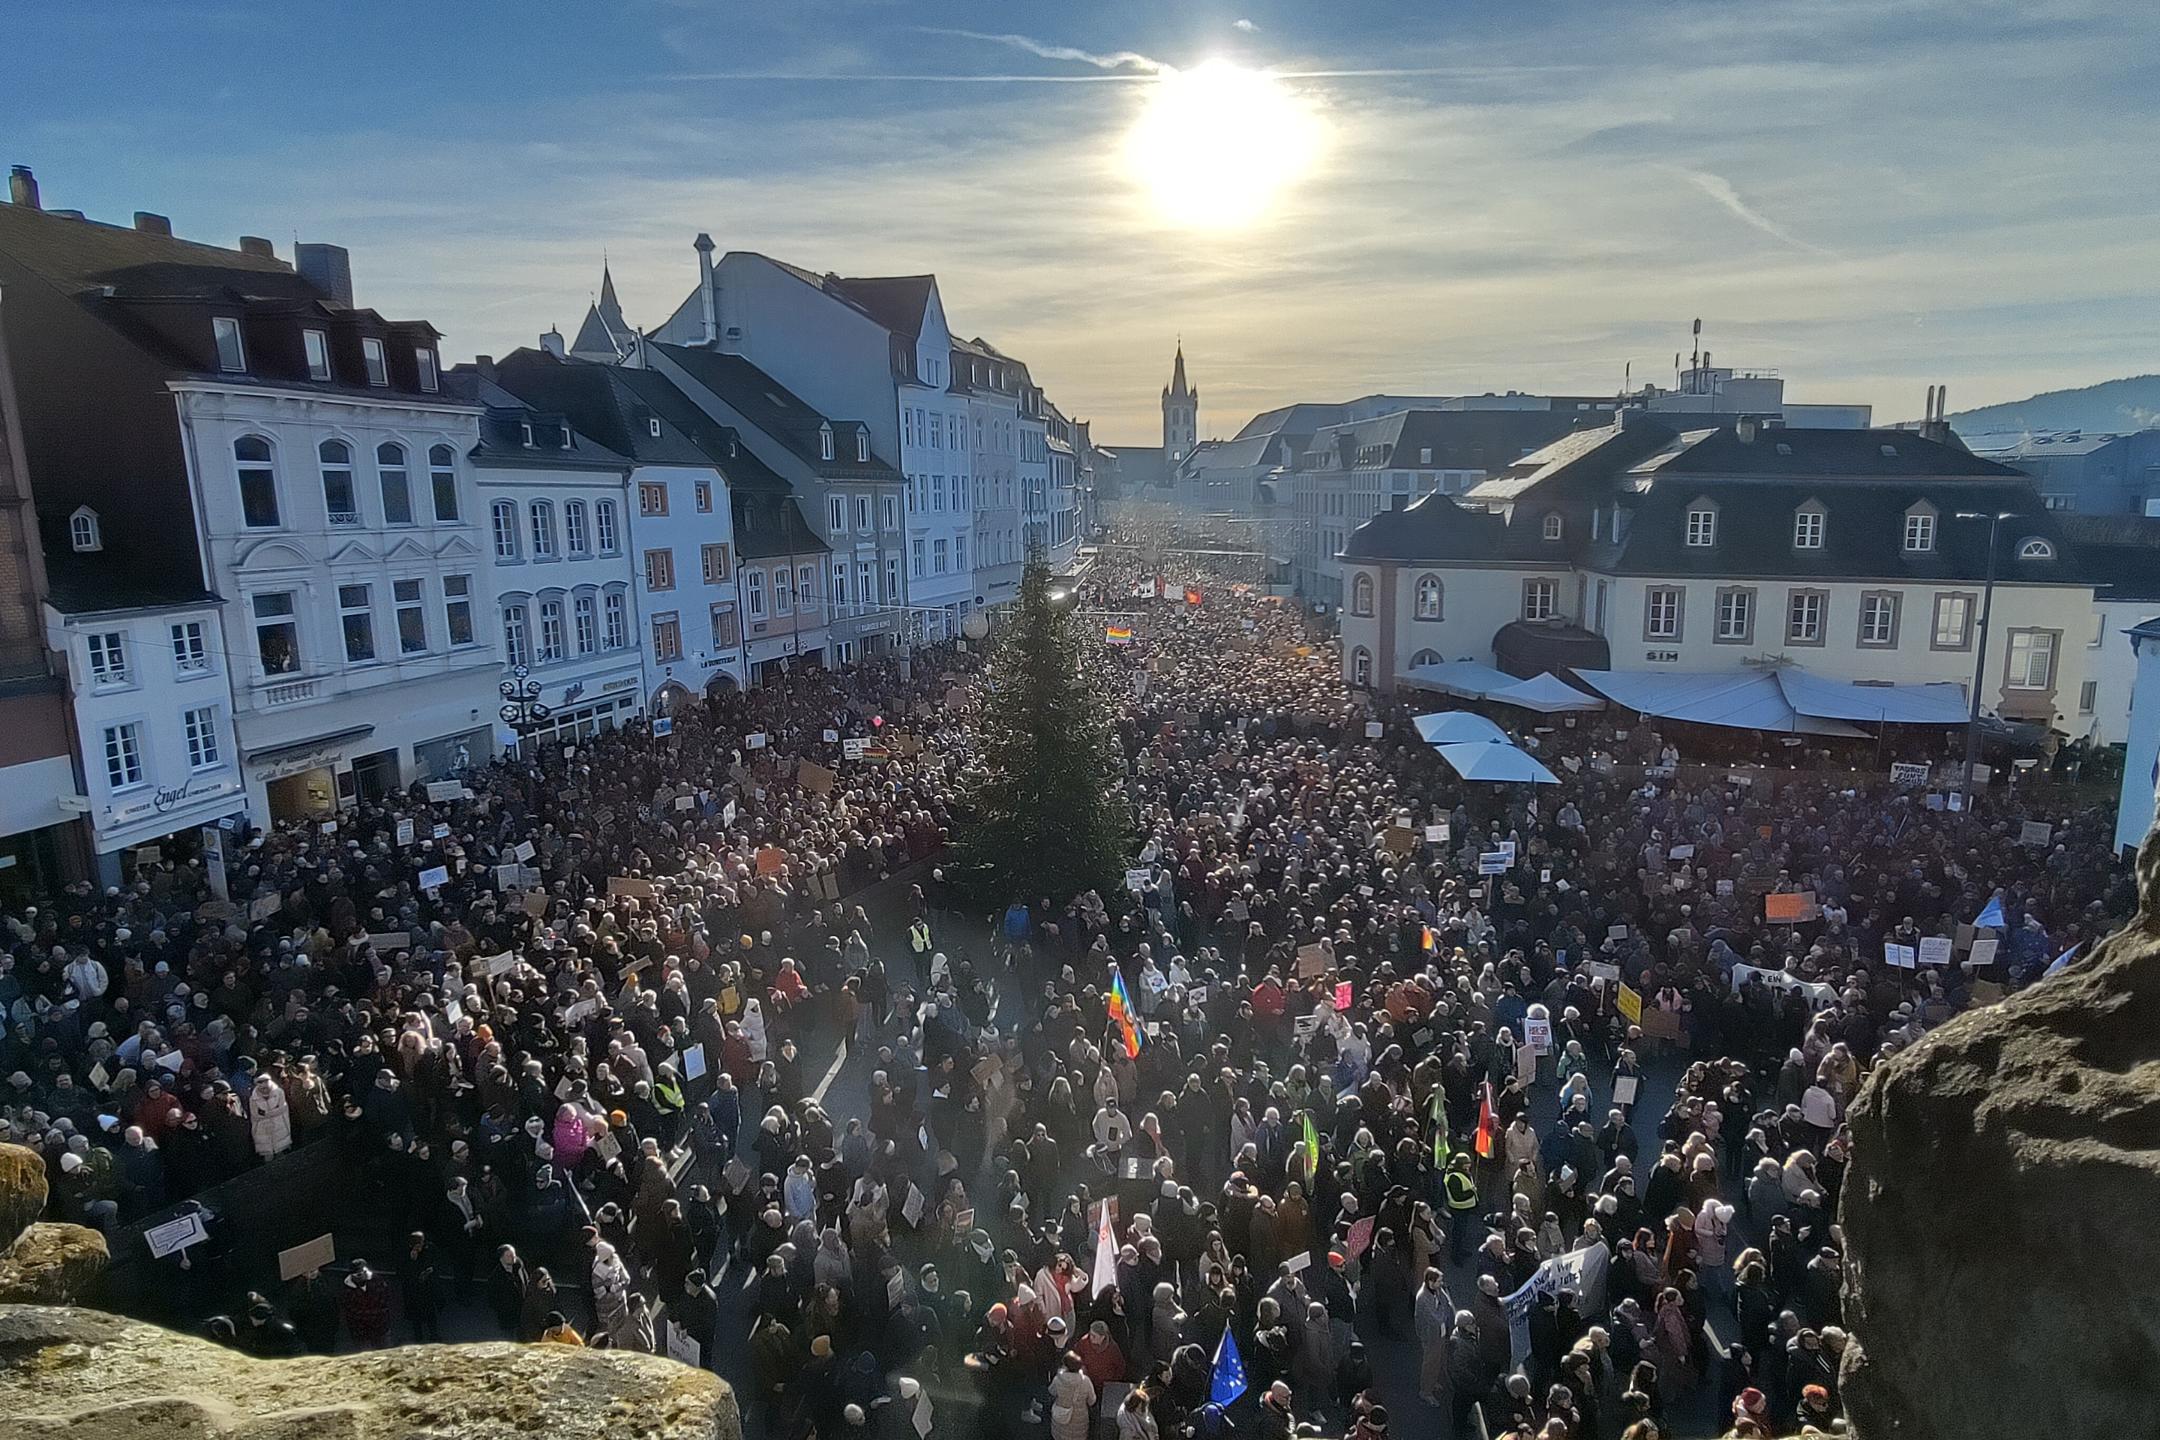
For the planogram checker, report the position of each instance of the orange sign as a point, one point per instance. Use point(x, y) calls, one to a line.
point(1789, 907)
point(769, 860)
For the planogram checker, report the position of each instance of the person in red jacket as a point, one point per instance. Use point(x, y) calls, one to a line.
point(364, 1305)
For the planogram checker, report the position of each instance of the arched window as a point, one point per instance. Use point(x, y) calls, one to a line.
point(543, 529)
point(258, 482)
point(615, 605)
point(577, 540)
point(604, 526)
point(551, 630)
point(2036, 549)
point(1555, 526)
point(503, 515)
point(396, 484)
point(1361, 667)
point(1430, 594)
point(1361, 595)
point(1423, 658)
point(825, 450)
point(83, 531)
point(588, 625)
point(442, 477)
point(337, 482)
point(517, 637)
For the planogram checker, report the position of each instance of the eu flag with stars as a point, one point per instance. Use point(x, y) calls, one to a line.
point(1228, 1380)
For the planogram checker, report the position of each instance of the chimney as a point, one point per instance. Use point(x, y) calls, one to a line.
point(22, 188)
point(552, 342)
point(708, 297)
point(152, 223)
point(328, 268)
point(257, 246)
point(1744, 428)
point(485, 366)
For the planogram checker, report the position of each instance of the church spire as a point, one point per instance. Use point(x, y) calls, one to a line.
point(605, 335)
point(1178, 388)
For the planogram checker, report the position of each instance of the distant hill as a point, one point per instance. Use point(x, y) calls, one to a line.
point(2132, 403)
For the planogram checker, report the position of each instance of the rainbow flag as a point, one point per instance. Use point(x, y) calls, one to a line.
point(1123, 1015)
point(1117, 634)
point(1427, 941)
point(1487, 1123)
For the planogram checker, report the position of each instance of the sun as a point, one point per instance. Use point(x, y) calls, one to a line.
point(1218, 144)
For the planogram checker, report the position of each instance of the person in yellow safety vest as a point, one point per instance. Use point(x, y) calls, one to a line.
point(667, 1098)
point(1460, 1189)
point(918, 939)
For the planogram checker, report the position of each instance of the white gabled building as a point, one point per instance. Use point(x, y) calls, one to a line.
point(684, 609)
point(146, 677)
point(874, 349)
point(1731, 545)
point(557, 505)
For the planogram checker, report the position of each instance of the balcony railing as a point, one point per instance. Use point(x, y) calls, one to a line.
point(290, 692)
point(344, 517)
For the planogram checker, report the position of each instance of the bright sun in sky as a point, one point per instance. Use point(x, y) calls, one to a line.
point(1218, 144)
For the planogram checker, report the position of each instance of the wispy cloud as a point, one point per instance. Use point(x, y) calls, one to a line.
point(1246, 25)
point(1718, 188)
point(1112, 60)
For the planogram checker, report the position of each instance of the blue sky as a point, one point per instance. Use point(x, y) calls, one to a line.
point(1868, 195)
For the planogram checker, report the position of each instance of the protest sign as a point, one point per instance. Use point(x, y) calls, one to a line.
point(390, 940)
point(1493, 863)
point(1344, 991)
point(405, 831)
point(502, 964)
point(630, 885)
point(1136, 879)
point(1624, 1088)
point(1311, 960)
point(176, 1235)
point(853, 749)
point(1908, 776)
point(441, 792)
point(693, 1062)
point(1436, 834)
point(1904, 957)
point(771, 859)
point(683, 1346)
point(1789, 907)
point(307, 1258)
point(1374, 729)
point(911, 1209)
point(1661, 1024)
point(1630, 1003)
point(1681, 852)
point(441, 830)
point(1983, 953)
point(1616, 932)
point(754, 741)
point(815, 777)
point(434, 877)
point(1537, 1034)
point(535, 903)
point(2036, 832)
point(264, 906)
point(1935, 950)
point(524, 851)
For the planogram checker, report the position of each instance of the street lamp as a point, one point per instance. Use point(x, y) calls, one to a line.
point(1987, 611)
point(522, 710)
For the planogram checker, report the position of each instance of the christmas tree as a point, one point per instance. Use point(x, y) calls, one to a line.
point(1046, 818)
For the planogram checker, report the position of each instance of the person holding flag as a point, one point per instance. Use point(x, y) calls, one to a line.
point(1308, 1150)
point(1226, 1379)
point(1124, 1016)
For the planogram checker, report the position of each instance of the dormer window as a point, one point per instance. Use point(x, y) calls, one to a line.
point(1807, 528)
point(378, 364)
point(525, 435)
point(1919, 531)
point(2036, 549)
point(825, 450)
point(862, 447)
point(565, 433)
point(1701, 526)
point(317, 345)
point(424, 363)
point(652, 426)
point(231, 350)
point(1554, 526)
point(83, 532)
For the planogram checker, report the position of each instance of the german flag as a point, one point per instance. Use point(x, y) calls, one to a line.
point(1427, 941)
point(1487, 1123)
point(1192, 595)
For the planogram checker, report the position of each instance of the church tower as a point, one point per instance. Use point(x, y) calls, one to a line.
point(1180, 417)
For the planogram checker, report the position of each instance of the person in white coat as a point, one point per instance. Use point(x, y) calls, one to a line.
point(269, 1117)
point(87, 975)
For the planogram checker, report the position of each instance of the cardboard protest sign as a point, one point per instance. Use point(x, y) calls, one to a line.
point(1661, 1024)
point(390, 940)
point(264, 906)
point(815, 777)
point(306, 1259)
point(501, 964)
point(771, 859)
point(535, 903)
point(1630, 1004)
point(629, 885)
point(1311, 960)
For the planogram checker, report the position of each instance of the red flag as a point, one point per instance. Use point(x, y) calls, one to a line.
point(1485, 1123)
point(1192, 595)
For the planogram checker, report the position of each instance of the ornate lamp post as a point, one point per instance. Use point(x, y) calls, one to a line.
point(522, 710)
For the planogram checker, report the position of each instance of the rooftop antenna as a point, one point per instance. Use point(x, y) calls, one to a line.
point(1695, 355)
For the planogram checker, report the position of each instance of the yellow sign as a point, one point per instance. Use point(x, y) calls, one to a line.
point(1630, 1006)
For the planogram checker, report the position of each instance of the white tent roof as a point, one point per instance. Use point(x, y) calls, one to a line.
point(1458, 727)
point(1472, 679)
point(1498, 764)
point(1740, 699)
point(1547, 694)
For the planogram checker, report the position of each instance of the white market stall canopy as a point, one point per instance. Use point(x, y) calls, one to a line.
point(1547, 694)
point(1787, 700)
point(1498, 764)
point(1458, 727)
point(1471, 679)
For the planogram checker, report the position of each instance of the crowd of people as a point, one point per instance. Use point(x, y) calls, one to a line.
point(1311, 1125)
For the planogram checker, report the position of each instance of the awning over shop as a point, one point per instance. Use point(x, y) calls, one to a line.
point(1547, 694)
point(1738, 699)
point(1458, 727)
point(1829, 699)
point(1529, 647)
point(1497, 764)
point(1471, 679)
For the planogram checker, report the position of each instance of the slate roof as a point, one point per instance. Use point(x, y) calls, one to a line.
point(896, 302)
point(768, 525)
point(1865, 481)
point(2119, 554)
point(1486, 440)
point(108, 580)
point(502, 436)
point(599, 400)
point(779, 412)
point(74, 254)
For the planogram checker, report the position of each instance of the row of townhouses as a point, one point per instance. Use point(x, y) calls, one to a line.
point(271, 554)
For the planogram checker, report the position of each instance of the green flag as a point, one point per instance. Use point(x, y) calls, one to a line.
point(1440, 1147)
point(1310, 1147)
